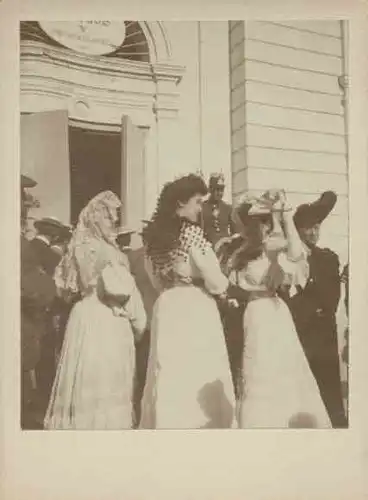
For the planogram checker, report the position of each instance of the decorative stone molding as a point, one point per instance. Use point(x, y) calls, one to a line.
point(97, 91)
point(158, 41)
point(131, 85)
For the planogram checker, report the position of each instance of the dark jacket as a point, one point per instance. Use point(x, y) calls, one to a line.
point(314, 308)
point(217, 228)
point(148, 292)
point(37, 295)
point(46, 258)
point(314, 312)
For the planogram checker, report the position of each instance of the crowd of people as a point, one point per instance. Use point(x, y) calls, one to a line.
point(225, 317)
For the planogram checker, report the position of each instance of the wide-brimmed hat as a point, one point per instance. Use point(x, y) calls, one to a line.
point(310, 214)
point(27, 182)
point(52, 225)
point(253, 205)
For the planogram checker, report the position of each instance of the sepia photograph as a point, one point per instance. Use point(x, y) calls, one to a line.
point(184, 255)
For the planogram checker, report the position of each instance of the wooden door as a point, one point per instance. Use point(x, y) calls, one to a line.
point(133, 173)
point(44, 153)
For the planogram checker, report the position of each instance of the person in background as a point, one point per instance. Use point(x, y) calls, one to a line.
point(37, 294)
point(232, 317)
point(138, 267)
point(61, 241)
point(216, 214)
point(314, 308)
point(61, 308)
point(218, 227)
point(50, 233)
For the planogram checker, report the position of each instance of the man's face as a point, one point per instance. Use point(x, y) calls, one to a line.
point(310, 235)
point(217, 192)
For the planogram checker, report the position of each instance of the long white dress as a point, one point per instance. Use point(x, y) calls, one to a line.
point(189, 384)
point(93, 387)
point(279, 388)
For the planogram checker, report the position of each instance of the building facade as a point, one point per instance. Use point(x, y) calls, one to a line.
point(263, 102)
point(154, 109)
point(127, 106)
point(288, 114)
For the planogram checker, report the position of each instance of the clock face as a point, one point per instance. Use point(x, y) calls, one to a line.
point(87, 37)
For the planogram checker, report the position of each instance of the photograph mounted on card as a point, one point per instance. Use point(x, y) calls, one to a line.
point(196, 274)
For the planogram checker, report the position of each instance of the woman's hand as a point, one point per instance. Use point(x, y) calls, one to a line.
point(281, 204)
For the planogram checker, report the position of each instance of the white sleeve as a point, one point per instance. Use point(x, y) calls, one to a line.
point(296, 272)
point(209, 268)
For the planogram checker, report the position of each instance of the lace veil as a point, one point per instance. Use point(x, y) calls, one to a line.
point(92, 245)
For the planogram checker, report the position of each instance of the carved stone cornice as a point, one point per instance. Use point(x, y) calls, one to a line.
point(38, 51)
point(62, 74)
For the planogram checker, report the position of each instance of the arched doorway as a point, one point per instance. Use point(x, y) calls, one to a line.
point(94, 121)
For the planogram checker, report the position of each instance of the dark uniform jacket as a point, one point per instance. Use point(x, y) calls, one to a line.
point(219, 227)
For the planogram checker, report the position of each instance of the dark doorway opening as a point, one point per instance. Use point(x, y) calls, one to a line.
point(95, 166)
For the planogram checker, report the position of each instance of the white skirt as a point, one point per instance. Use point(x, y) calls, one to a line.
point(279, 388)
point(188, 384)
point(93, 387)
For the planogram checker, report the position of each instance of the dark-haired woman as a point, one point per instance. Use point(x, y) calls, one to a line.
point(188, 384)
point(279, 388)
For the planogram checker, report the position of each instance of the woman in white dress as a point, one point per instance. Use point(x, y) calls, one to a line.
point(279, 390)
point(93, 387)
point(188, 383)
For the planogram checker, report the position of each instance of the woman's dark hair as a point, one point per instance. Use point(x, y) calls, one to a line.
point(162, 233)
point(251, 243)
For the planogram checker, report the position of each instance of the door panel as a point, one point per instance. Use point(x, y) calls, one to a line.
point(133, 173)
point(44, 156)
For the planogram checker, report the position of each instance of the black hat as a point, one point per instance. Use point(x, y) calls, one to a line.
point(310, 214)
point(51, 224)
point(27, 182)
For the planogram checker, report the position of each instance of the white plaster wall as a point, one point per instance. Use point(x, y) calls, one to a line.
point(203, 141)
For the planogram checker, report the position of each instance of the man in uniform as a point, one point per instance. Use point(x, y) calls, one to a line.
point(218, 224)
point(216, 214)
point(314, 307)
